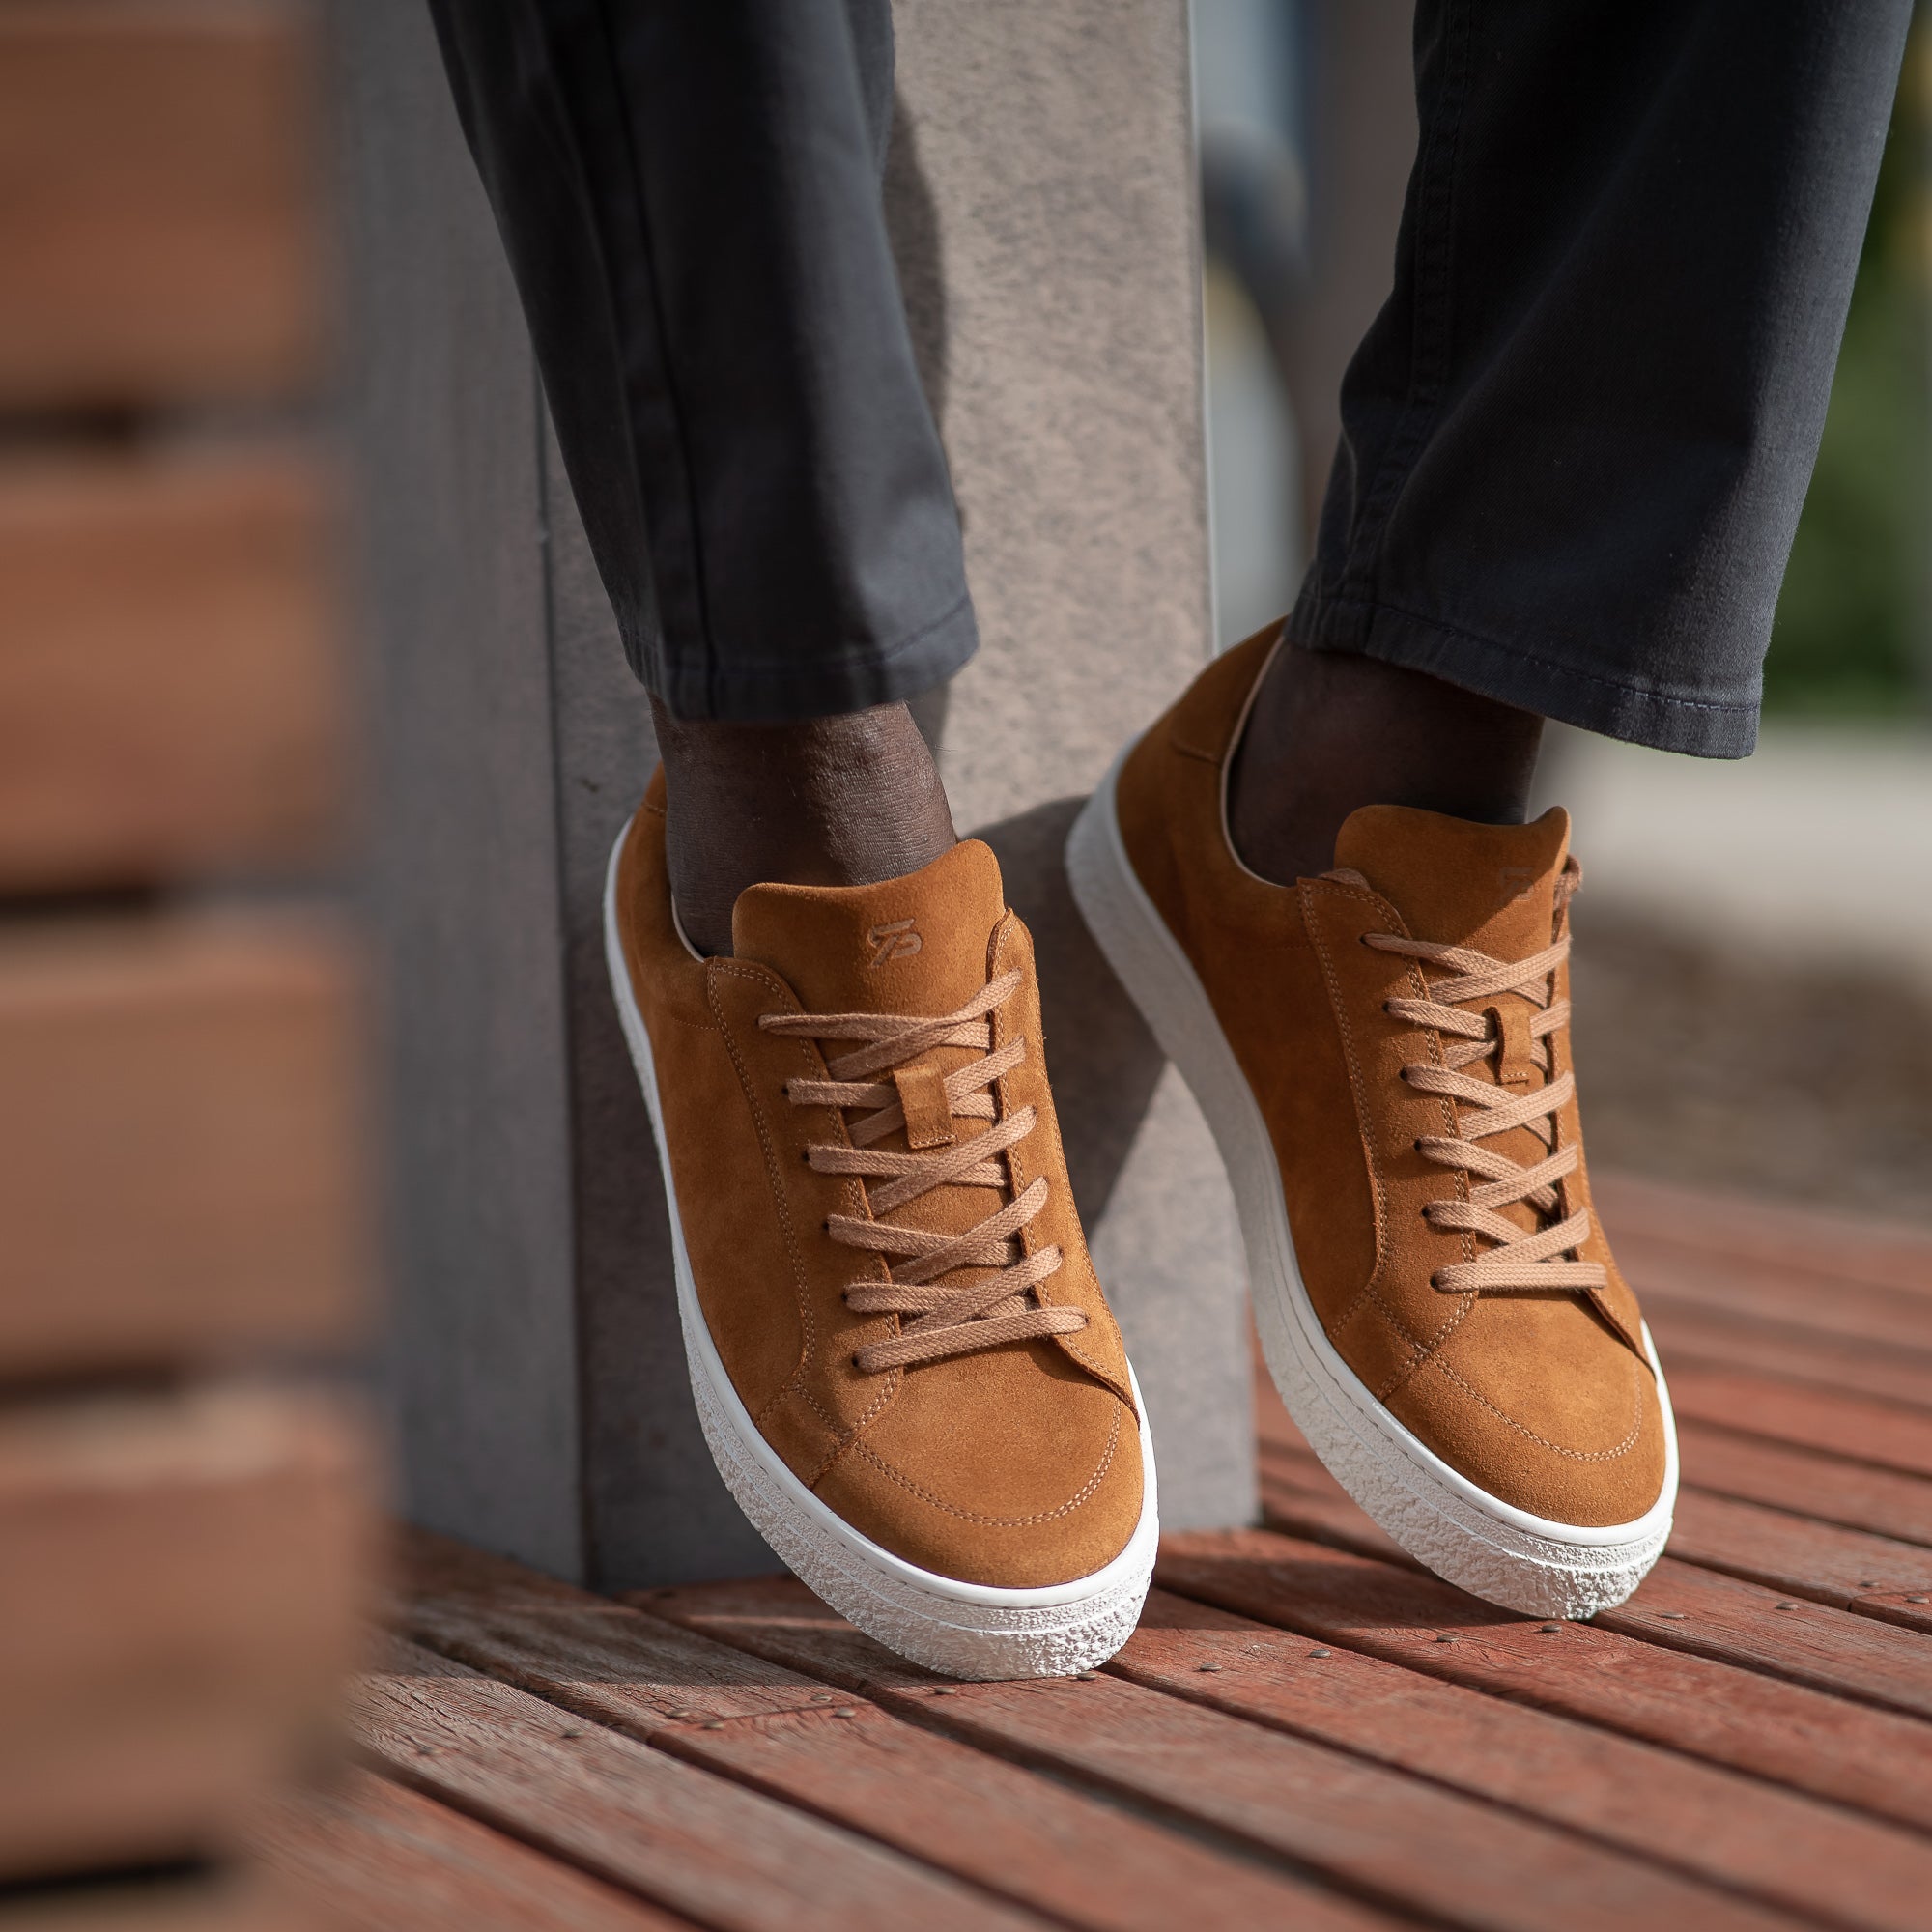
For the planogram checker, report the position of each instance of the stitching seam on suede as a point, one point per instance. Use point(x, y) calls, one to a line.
point(1355, 1087)
point(723, 968)
point(1623, 1448)
point(798, 1383)
point(1073, 1502)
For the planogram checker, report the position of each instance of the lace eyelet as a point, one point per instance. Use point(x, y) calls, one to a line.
point(1436, 1281)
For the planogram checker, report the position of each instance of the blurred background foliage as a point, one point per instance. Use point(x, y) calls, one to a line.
point(1853, 631)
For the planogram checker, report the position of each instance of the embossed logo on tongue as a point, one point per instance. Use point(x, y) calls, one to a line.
point(897, 939)
point(911, 944)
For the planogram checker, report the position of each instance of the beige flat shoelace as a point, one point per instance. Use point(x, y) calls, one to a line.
point(1518, 1259)
point(935, 1320)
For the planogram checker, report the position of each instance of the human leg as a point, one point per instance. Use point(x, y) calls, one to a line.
point(690, 200)
point(1575, 444)
point(900, 1355)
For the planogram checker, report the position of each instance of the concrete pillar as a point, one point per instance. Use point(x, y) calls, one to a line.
point(1042, 206)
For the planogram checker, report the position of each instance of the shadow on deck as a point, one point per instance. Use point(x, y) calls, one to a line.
point(1306, 1729)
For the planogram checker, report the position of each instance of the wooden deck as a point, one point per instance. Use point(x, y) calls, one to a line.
point(1306, 1731)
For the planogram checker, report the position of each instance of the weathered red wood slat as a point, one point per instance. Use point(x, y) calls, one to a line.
point(1852, 1426)
point(1882, 1314)
point(1083, 1860)
point(1912, 1609)
point(1792, 1553)
point(638, 1817)
point(1717, 1338)
point(1838, 1248)
point(1885, 1317)
point(1807, 1482)
point(1787, 1733)
point(1727, 1461)
point(1716, 1824)
point(372, 1854)
point(1709, 1615)
point(1397, 1839)
point(1851, 1570)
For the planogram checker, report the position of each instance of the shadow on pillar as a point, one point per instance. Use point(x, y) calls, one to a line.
point(1104, 1062)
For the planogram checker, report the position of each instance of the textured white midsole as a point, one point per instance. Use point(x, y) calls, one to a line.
point(1476, 1540)
point(965, 1630)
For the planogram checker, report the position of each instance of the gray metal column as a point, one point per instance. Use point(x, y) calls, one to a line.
point(1042, 205)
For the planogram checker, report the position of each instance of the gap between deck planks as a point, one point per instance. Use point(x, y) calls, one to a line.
point(1306, 1727)
point(962, 1799)
point(784, 1733)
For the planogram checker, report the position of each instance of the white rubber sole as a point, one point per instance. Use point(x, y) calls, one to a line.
point(1476, 1541)
point(964, 1629)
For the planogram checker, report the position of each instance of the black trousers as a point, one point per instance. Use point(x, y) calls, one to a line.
point(1575, 442)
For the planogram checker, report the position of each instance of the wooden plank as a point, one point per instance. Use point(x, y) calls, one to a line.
point(178, 1595)
point(171, 699)
point(377, 1858)
point(159, 207)
point(1723, 1339)
point(1397, 1840)
point(1084, 1861)
point(1882, 1312)
point(1792, 1555)
point(1807, 1482)
point(638, 1817)
point(179, 1178)
point(1852, 1426)
point(1789, 1734)
point(197, 1901)
point(1837, 1248)
point(1849, 1568)
point(1709, 1615)
point(1299, 1494)
point(1912, 1609)
point(1812, 1858)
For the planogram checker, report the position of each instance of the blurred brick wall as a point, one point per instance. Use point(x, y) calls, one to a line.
point(183, 1487)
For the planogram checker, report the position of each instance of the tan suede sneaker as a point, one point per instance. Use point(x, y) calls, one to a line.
point(1384, 1055)
point(905, 1366)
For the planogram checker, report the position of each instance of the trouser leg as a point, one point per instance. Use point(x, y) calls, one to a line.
point(1577, 438)
point(689, 195)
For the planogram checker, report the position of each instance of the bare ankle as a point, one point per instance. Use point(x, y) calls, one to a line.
point(1331, 731)
point(842, 801)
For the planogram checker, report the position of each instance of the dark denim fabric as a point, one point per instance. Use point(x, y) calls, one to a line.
point(688, 191)
point(1577, 438)
point(1575, 442)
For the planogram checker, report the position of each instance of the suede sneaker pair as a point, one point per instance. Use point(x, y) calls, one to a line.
point(902, 1362)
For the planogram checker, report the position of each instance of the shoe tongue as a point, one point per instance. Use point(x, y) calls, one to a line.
point(1459, 882)
point(912, 945)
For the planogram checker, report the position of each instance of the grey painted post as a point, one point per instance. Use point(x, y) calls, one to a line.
point(1041, 198)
